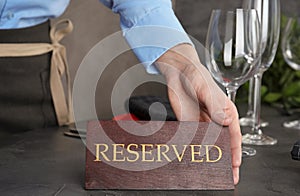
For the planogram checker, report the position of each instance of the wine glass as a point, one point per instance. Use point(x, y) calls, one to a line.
point(290, 46)
point(248, 120)
point(233, 50)
point(269, 16)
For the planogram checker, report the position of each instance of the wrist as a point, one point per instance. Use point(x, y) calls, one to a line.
point(177, 58)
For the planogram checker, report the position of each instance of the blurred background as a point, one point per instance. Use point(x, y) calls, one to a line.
point(93, 22)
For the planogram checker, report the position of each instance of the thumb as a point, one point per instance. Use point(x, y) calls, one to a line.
point(220, 108)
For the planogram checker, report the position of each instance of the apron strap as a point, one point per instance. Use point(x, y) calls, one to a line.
point(59, 67)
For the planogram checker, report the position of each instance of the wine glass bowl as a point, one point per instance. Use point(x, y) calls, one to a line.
point(269, 16)
point(233, 46)
point(290, 44)
point(290, 47)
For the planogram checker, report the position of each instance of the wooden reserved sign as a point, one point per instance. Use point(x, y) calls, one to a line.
point(157, 155)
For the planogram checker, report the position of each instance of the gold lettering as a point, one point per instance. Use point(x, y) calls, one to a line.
point(120, 152)
point(98, 152)
point(177, 153)
point(132, 152)
point(145, 152)
point(207, 153)
point(147, 155)
point(159, 153)
point(193, 153)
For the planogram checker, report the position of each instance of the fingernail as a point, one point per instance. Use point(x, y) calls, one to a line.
point(227, 121)
point(236, 177)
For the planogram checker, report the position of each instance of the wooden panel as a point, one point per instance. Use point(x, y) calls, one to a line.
point(158, 155)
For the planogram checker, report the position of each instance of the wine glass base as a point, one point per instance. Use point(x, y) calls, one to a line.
point(295, 124)
point(248, 122)
point(248, 152)
point(258, 139)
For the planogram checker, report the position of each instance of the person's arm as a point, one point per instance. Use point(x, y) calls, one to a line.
point(161, 44)
point(150, 28)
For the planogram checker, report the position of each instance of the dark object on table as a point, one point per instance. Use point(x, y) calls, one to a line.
point(158, 107)
point(74, 133)
point(78, 127)
point(77, 130)
point(296, 151)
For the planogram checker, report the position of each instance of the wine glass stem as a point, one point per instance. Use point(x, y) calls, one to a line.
point(251, 97)
point(231, 93)
point(257, 102)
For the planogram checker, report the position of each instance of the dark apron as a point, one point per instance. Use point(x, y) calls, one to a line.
point(25, 96)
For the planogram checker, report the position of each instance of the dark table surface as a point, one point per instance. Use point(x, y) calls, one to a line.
point(45, 162)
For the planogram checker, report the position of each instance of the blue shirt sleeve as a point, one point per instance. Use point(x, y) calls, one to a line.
point(150, 28)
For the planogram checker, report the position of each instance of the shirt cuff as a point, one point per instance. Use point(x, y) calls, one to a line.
point(151, 32)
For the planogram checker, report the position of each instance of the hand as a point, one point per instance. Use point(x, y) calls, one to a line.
point(195, 96)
